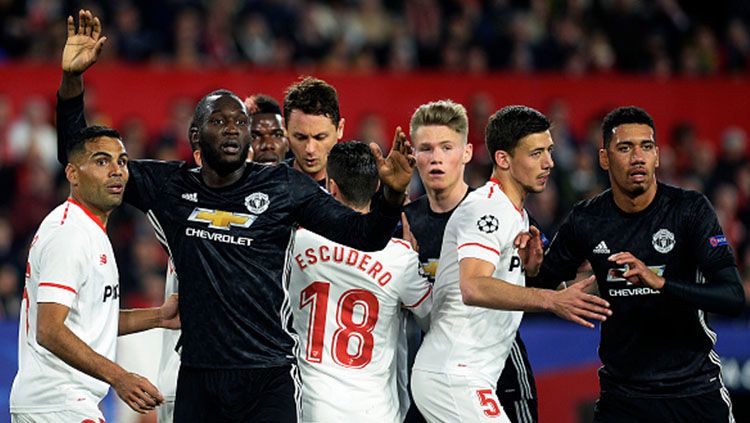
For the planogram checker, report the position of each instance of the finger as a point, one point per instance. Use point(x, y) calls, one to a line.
point(81, 19)
point(584, 323)
point(597, 301)
point(99, 46)
point(88, 29)
point(396, 139)
point(153, 392)
point(592, 315)
point(585, 283)
point(96, 31)
point(71, 26)
point(379, 160)
point(534, 231)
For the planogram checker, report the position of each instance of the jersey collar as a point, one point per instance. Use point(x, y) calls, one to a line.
point(88, 212)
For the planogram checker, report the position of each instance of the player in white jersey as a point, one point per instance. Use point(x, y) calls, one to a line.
point(480, 285)
point(70, 315)
point(347, 306)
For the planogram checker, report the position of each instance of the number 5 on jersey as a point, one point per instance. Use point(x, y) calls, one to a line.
point(353, 329)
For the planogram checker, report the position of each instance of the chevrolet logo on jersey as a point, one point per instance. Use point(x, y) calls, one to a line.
point(219, 219)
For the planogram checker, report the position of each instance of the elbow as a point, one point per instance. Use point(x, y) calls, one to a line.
point(45, 336)
point(469, 293)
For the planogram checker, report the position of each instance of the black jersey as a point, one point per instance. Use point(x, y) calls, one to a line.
point(654, 344)
point(231, 248)
point(427, 226)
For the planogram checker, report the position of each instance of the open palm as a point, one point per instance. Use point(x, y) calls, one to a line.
point(84, 45)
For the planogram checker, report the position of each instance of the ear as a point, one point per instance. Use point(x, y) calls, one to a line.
point(468, 153)
point(71, 174)
point(340, 130)
point(657, 156)
point(197, 157)
point(603, 159)
point(250, 153)
point(194, 135)
point(333, 188)
point(502, 159)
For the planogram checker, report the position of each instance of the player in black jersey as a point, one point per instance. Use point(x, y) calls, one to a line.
point(228, 227)
point(439, 132)
point(270, 143)
point(662, 261)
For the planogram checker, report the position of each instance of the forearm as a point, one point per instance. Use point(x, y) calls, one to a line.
point(71, 85)
point(137, 320)
point(64, 344)
point(722, 293)
point(70, 120)
point(393, 197)
point(497, 294)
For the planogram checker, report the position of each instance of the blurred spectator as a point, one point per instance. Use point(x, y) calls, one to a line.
point(10, 297)
point(32, 135)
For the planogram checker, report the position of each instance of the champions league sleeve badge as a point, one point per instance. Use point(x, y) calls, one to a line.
point(488, 224)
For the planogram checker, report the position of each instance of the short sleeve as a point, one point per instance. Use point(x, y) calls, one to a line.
point(147, 179)
point(415, 291)
point(64, 264)
point(482, 232)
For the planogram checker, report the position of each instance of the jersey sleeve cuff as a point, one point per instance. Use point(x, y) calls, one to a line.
point(480, 251)
point(53, 292)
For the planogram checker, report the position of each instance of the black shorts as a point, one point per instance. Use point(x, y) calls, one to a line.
point(711, 407)
point(237, 395)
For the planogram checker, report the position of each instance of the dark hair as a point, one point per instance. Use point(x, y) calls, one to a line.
point(201, 110)
point(78, 143)
point(312, 96)
point(266, 105)
point(509, 125)
point(622, 116)
point(352, 165)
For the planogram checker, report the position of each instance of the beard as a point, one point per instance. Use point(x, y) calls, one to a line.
point(214, 159)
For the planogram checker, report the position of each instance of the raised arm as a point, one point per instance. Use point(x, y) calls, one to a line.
point(82, 48)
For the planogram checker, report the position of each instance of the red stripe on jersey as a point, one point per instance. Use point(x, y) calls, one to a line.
point(478, 245)
point(57, 285)
point(499, 185)
point(405, 244)
point(65, 214)
point(88, 212)
point(26, 297)
point(421, 300)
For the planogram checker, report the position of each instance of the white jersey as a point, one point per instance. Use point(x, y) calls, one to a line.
point(70, 263)
point(169, 365)
point(347, 309)
point(468, 340)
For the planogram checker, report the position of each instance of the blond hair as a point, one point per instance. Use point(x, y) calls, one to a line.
point(443, 112)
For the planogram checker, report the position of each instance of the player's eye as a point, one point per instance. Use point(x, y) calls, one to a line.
point(216, 121)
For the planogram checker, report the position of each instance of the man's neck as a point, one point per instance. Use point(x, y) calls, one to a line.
point(634, 203)
point(446, 200)
point(512, 189)
point(317, 176)
point(215, 180)
point(102, 215)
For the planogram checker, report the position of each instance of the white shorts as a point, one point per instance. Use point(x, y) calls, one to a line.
point(165, 412)
point(442, 397)
point(72, 416)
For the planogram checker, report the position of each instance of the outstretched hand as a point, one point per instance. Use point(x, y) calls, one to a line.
point(169, 313)
point(574, 304)
point(84, 45)
point(395, 170)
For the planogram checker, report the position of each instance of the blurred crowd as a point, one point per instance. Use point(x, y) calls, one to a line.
point(657, 37)
point(32, 182)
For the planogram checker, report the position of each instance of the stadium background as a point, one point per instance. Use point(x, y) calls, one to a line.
point(687, 63)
